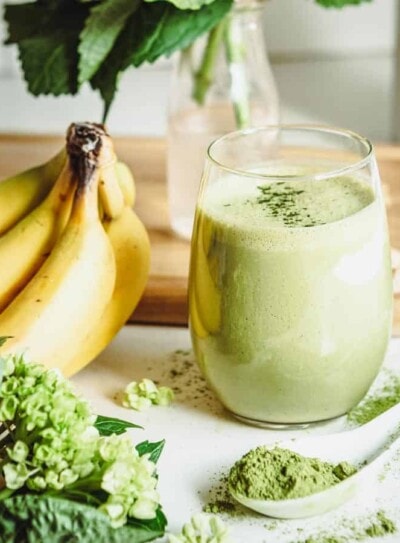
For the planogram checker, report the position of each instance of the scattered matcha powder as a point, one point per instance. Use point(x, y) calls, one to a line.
point(221, 502)
point(377, 403)
point(141, 395)
point(184, 377)
point(380, 526)
point(325, 540)
point(278, 474)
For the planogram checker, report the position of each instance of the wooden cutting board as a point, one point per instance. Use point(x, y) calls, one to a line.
point(164, 300)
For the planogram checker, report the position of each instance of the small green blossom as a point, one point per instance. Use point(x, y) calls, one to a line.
point(19, 452)
point(141, 395)
point(16, 475)
point(8, 408)
point(55, 445)
point(202, 529)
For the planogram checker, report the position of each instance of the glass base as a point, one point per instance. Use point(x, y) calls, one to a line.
point(287, 426)
point(183, 227)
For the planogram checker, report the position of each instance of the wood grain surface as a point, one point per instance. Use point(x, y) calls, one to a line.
point(164, 300)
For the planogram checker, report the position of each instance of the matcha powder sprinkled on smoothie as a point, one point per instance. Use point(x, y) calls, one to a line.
point(278, 474)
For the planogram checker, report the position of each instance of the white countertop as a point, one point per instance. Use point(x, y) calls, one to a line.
point(203, 441)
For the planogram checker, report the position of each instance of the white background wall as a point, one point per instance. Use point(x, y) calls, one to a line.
point(332, 66)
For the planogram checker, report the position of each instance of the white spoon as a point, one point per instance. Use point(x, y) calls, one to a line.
point(366, 447)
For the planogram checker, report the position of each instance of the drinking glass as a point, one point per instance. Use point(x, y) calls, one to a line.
point(290, 287)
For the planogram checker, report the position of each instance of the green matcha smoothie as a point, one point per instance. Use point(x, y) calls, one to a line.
point(290, 295)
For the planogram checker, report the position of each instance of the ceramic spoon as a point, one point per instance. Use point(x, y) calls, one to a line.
point(366, 447)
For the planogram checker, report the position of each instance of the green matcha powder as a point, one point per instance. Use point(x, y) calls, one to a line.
point(279, 474)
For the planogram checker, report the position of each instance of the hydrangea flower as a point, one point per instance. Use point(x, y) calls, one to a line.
point(202, 529)
point(141, 395)
point(55, 446)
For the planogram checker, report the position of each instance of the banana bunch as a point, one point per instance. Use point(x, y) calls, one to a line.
point(74, 257)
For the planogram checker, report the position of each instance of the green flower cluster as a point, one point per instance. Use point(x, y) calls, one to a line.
point(202, 529)
point(141, 395)
point(53, 446)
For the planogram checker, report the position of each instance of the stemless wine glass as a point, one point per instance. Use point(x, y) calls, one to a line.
point(290, 288)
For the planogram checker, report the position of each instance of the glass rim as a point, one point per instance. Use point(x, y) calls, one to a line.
point(357, 165)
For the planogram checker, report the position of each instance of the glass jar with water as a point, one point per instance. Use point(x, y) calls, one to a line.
point(221, 83)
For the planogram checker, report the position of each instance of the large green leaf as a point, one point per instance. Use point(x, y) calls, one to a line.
point(154, 30)
point(106, 78)
point(47, 38)
point(176, 29)
point(26, 20)
point(36, 518)
point(102, 28)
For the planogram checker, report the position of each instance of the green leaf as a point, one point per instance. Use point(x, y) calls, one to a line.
point(171, 29)
point(157, 524)
point(102, 28)
point(106, 78)
point(155, 29)
point(37, 518)
point(49, 66)
point(340, 3)
point(186, 4)
point(25, 20)
point(153, 449)
point(109, 425)
point(47, 37)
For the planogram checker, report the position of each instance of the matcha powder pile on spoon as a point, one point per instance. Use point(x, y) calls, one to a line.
point(280, 474)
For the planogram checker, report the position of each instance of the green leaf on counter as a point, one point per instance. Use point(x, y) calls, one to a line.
point(153, 449)
point(156, 525)
point(47, 37)
point(186, 4)
point(340, 3)
point(110, 425)
point(35, 518)
point(102, 28)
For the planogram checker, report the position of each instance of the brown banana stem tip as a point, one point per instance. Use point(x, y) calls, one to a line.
point(84, 144)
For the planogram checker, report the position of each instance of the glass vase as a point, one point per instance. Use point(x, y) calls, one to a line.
point(223, 82)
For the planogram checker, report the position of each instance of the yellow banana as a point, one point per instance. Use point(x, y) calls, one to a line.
point(131, 247)
point(21, 193)
point(126, 183)
point(62, 302)
point(24, 248)
point(111, 196)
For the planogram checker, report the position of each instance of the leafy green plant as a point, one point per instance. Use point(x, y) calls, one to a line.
point(66, 474)
point(64, 44)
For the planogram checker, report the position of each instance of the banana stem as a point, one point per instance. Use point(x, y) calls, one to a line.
point(235, 53)
point(204, 76)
